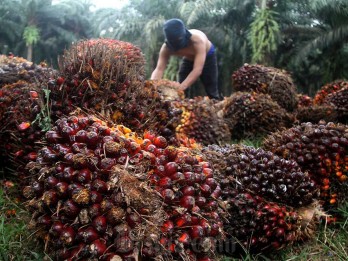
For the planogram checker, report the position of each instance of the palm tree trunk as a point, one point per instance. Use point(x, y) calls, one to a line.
point(30, 52)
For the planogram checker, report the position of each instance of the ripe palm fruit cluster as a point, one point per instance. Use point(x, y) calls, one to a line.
point(270, 201)
point(269, 80)
point(23, 120)
point(254, 114)
point(13, 69)
point(339, 100)
point(322, 150)
point(304, 100)
point(200, 121)
point(308, 112)
point(100, 74)
point(168, 89)
point(103, 192)
point(316, 113)
point(264, 173)
point(321, 95)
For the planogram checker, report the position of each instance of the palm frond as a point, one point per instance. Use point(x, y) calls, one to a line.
point(324, 40)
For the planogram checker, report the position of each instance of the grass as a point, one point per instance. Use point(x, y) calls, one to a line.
point(16, 241)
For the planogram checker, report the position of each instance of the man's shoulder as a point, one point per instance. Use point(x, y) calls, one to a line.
point(198, 35)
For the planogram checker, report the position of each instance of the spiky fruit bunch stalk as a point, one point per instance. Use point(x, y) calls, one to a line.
point(269, 80)
point(14, 69)
point(322, 150)
point(24, 116)
point(328, 88)
point(262, 172)
point(104, 192)
point(316, 113)
point(265, 196)
point(254, 114)
point(339, 100)
point(201, 121)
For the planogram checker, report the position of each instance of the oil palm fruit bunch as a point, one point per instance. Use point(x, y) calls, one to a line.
point(103, 75)
point(263, 173)
point(13, 69)
point(269, 200)
point(254, 114)
point(321, 150)
point(328, 88)
point(200, 121)
point(168, 89)
point(161, 114)
point(107, 76)
point(269, 80)
point(316, 113)
point(24, 117)
point(103, 192)
point(339, 100)
point(259, 225)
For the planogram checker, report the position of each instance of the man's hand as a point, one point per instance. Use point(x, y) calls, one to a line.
point(182, 87)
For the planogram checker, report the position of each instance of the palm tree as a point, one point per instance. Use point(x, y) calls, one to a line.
point(11, 27)
point(314, 46)
point(46, 28)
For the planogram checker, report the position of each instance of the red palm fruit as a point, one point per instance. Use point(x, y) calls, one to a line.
point(100, 224)
point(208, 172)
point(149, 135)
point(168, 195)
point(200, 201)
point(50, 198)
point(205, 190)
point(160, 142)
point(188, 191)
point(45, 221)
point(178, 176)
point(67, 236)
point(83, 176)
point(171, 168)
point(190, 178)
point(183, 220)
point(70, 209)
point(187, 202)
point(56, 229)
point(99, 185)
point(97, 248)
point(184, 238)
point(167, 227)
point(23, 126)
point(133, 219)
point(87, 235)
point(196, 231)
point(50, 182)
point(165, 182)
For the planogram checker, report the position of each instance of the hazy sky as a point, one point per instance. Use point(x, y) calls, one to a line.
point(109, 3)
point(106, 3)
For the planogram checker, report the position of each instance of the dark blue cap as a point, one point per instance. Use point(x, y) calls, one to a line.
point(176, 34)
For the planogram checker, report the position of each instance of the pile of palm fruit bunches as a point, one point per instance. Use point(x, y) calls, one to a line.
point(115, 167)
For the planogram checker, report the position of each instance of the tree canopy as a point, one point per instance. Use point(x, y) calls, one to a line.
point(307, 38)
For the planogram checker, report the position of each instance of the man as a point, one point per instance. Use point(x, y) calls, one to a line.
point(199, 57)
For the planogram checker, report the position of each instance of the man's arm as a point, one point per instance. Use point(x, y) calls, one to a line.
point(198, 65)
point(161, 63)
